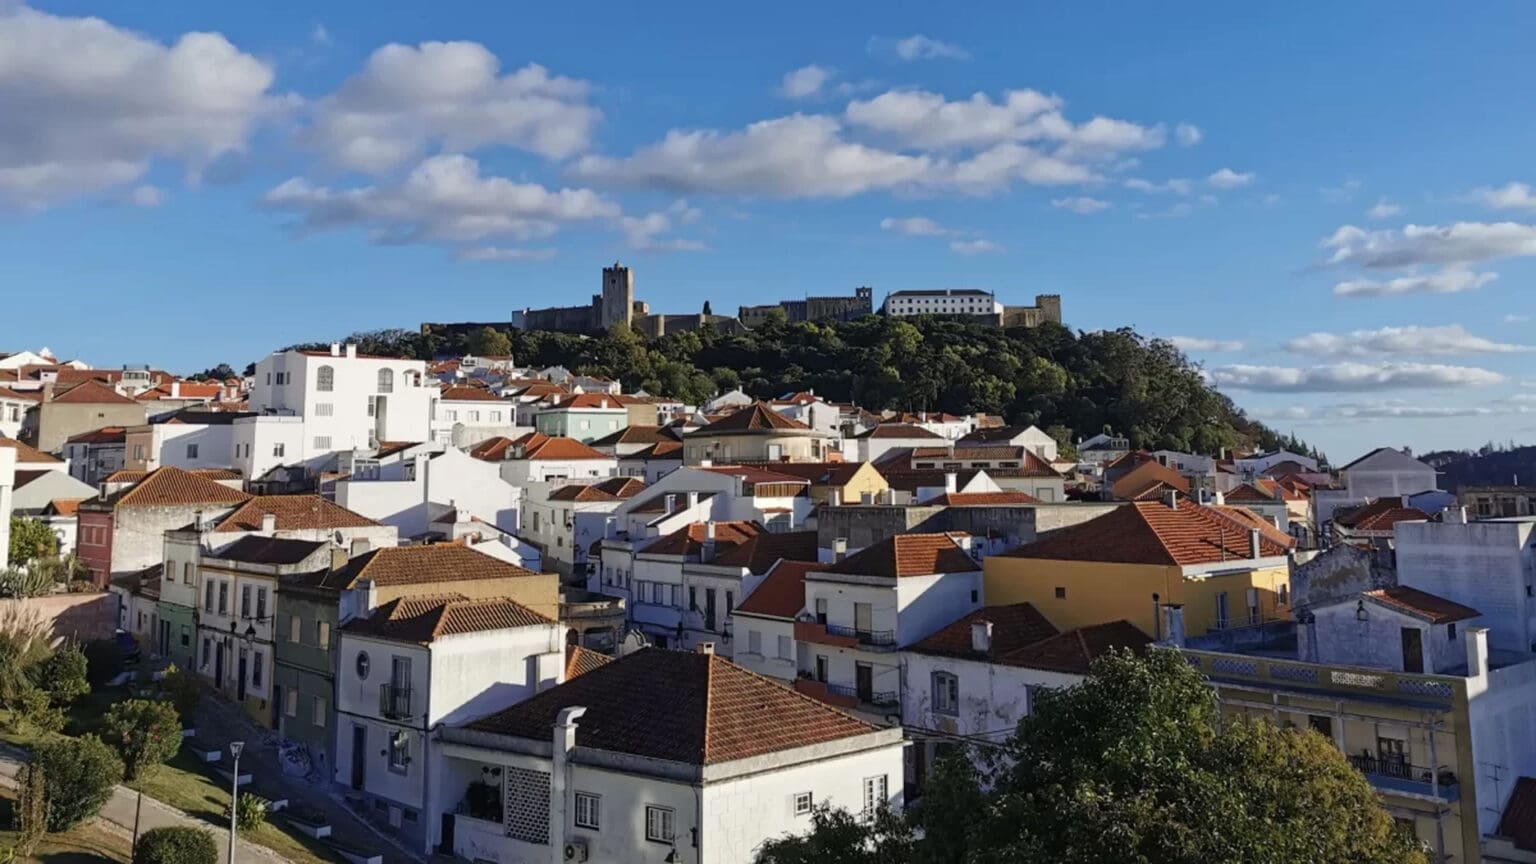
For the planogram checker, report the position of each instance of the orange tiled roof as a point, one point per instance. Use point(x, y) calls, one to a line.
point(762, 550)
point(1153, 533)
point(64, 506)
point(635, 435)
point(294, 513)
point(1136, 481)
point(659, 450)
point(751, 475)
point(677, 706)
point(756, 418)
point(175, 487)
point(612, 489)
point(899, 431)
point(585, 402)
point(821, 473)
point(439, 562)
point(782, 593)
point(983, 499)
point(907, 555)
point(689, 539)
point(1075, 650)
point(426, 619)
point(1422, 604)
point(1013, 627)
point(92, 392)
point(21, 395)
point(579, 661)
point(1380, 514)
point(467, 393)
point(26, 453)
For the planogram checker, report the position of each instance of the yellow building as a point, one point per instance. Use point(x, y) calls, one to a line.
point(837, 482)
point(1224, 565)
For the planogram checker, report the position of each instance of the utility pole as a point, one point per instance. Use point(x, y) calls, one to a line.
point(234, 797)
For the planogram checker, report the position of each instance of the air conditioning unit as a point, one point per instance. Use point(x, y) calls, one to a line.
point(576, 850)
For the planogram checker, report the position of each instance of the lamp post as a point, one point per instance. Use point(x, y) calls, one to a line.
point(234, 797)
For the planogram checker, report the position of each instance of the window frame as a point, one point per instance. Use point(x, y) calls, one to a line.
point(946, 693)
point(803, 803)
point(665, 824)
point(591, 821)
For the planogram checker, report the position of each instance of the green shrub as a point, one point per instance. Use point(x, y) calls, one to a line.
point(64, 675)
point(183, 692)
point(176, 846)
point(146, 733)
point(23, 645)
point(103, 660)
point(38, 712)
point(250, 814)
point(31, 808)
point(78, 775)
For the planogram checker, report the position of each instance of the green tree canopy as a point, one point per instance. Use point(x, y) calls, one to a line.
point(31, 539)
point(146, 733)
point(490, 342)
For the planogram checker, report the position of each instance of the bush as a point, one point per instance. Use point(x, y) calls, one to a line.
point(146, 733)
point(103, 660)
point(78, 776)
point(176, 846)
point(38, 712)
point(23, 645)
point(64, 675)
point(31, 808)
point(31, 539)
point(250, 814)
point(183, 692)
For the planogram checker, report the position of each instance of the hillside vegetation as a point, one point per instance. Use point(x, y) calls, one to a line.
point(1072, 384)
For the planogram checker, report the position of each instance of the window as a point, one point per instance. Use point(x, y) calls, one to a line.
point(245, 601)
point(186, 636)
point(295, 629)
point(373, 405)
point(586, 810)
point(322, 442)
point(785, 648)
point(399, 752)
point(319, 712)
point(1061, 593)
point(874, 796)
point(207, 650)
point(186, 573)
point(277, 450)
point(754, 642)
point(261, 604)
point(660, 824)
point(802, 803)
point(1450, 631)
point(325, 379)
point(325, 409)
point(946, 693)
point(386, 380)
point(256, 668)
point(323, 634)
point(223, 598)
point(191, 451)
point(291, 703)
point(474, 416)
point(362, 665)
point(138, 451)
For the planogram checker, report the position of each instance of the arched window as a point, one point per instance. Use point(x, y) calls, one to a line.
point(325, 379)
point(386, 380)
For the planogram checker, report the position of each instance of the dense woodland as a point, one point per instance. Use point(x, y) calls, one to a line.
point(1072, 384)
point(1489, 465)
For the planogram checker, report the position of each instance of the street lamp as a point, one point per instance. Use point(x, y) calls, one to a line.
point(234, 797)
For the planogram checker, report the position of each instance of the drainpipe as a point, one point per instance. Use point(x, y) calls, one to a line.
point(564, 741)
point(1434, 788)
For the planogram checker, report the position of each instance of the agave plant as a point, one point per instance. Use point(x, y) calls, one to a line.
point(29, 581)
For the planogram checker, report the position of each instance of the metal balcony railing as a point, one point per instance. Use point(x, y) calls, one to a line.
point(865, 637)
point(394, 702)
point(1375, 767)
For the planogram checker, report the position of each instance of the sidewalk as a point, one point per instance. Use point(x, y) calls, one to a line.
point(118, 813)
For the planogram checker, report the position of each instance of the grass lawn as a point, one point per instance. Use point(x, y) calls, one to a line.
point(82, 844)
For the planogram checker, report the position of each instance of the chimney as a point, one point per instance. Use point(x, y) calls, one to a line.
point(563, 742)
point(693, 499)
point(1477, 651)
point(1255, 543)
point(707, 548)
point(706, 463)
point(839, 548)
point(1171, 499)
point(1454, 516)
point(1173, 624)
point(866, 498)
point(335, 349)
point(981, 637)
point(671, 502)
point(889, 495)
point(1219, 498)
point(602, 404)
point(175, 389)
point(705, 648)
point(951, 482)
point(47, 391)
point(338, 557)
point(351, 350)
point(268, 523)
point(360, 546)
point(835, 498)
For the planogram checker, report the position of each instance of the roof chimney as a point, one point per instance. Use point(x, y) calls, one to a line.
point(705, 648)
point(835, 498)
point(951, 482)
point(1173, 624)
point(839, 548)
point(1171, 498)
point(351, 350)
point(1454, 516)
point(1255, 543)
point(268, 523)
point(981, 637)
point(1477, 651)
point(360, 546)
point(671, 502)
point(338, 557)
point(693, 499)
point(335, 349)
point(707, 548)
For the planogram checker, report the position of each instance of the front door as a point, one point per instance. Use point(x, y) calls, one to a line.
point(1222, 619)
point(864, 681)
point(1413, 650)
point(445, 846)
point(277, 707)
point(359, 754)
point(240, 684)
point(218, 664)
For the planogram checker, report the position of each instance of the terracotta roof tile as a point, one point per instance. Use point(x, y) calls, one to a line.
point(27, 454)
point(907, 555)
point(390, 448)
point(1422, 604)
point(175, 487)
point(579, 661)
point(294, 513)
point(612, 489)
point(910, 480)
point(64, 506)
point(462, 393)
point(782, 593)
point(697, 709)
point(635, 435)
point(1519, 820)
point(424, 619)
point(659, 450)
point(1013, 627)
point(1379, 515)
point(1153, 533)
point(1075, 650)
point(763, 550)
point(899, 431)
point(1147, 474)
point(21, 395)
point(92, 392)
point(819, 473)
point(439, 562)
point(268, 550)
point(984, 499)
point(757, 417)
point(584, 402)
point(689, 539)
point(752, 475)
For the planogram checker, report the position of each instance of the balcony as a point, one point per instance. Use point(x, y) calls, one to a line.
point(394, 702)
point(1397, 776)
point(837, 697)
point(820, 634)
point(867, 638)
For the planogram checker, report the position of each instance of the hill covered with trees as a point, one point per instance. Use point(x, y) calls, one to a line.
point(1073, 384)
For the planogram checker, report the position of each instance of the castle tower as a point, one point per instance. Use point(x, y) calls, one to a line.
point(865, 294)
point(1049, 306)
point(618, 296)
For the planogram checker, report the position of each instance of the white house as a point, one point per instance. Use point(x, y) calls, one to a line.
point(884, 437)
point(539, 458)
point(416, 663)
point(1258, 463)
point(347, 401)
point(185, 439)
point(1031, 438)
point(1487, 564)
point(463, 415)
point(14, 405)
point(655, 757)
point(944, 301)
point(764, 623)
point(654, 462)
point(430, 485)
point(564, 520)
point(1381, 473)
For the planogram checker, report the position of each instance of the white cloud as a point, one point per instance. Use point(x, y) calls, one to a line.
point(146, 195)
point(916, 47)
point(90, 106)
point(1350, 377)
point(504, 253)
point(915, 226)
point(408, 100)
point(1196, 343)
point(1460, 243)
point(444, 200)
point(805, 82)
point(1187, 134)
point(1383, 209)
point(973, 247)
point(1389, 409)
point(1515, 318)
point(319, 35)
point(1451, 280)
point(646, 233)
point(1175, 186)
point(1081, 205)
point(1341, 194)
point(1412, 340)
point(1226, 178)
point(1510, 196)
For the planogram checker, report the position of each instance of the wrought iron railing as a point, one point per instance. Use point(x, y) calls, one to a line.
point(864, 637)
point(1399, 769)
point(394, 701)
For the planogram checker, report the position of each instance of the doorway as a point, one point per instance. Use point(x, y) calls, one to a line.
point(240, 684)
point(1413, 649)
point(218, 665)
point(359, 754)
point(864, 682)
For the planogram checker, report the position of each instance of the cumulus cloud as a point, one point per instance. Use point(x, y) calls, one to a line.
point(1174, 186)
point(1196, 343)
point(1226, 178)
point(445, 200)
point(1459, 243)
point(916, 47)
point(1451, 280)
point(915, 226)
point(146, 195)
point(1510, 196)
point(973, 247)
point(648, 233)
point(408, 100)
point(1187, 134)
point(1383, 209)
point(1350, 377)
point(1412, 340)
point(1081, 205)
point(92, 106)
point(1389, 409)
point(805, 82)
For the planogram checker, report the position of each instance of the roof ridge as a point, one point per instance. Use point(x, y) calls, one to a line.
point(709, 704)
point(736, 668)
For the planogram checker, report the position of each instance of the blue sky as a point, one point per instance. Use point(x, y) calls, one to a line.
point(1329, 211)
